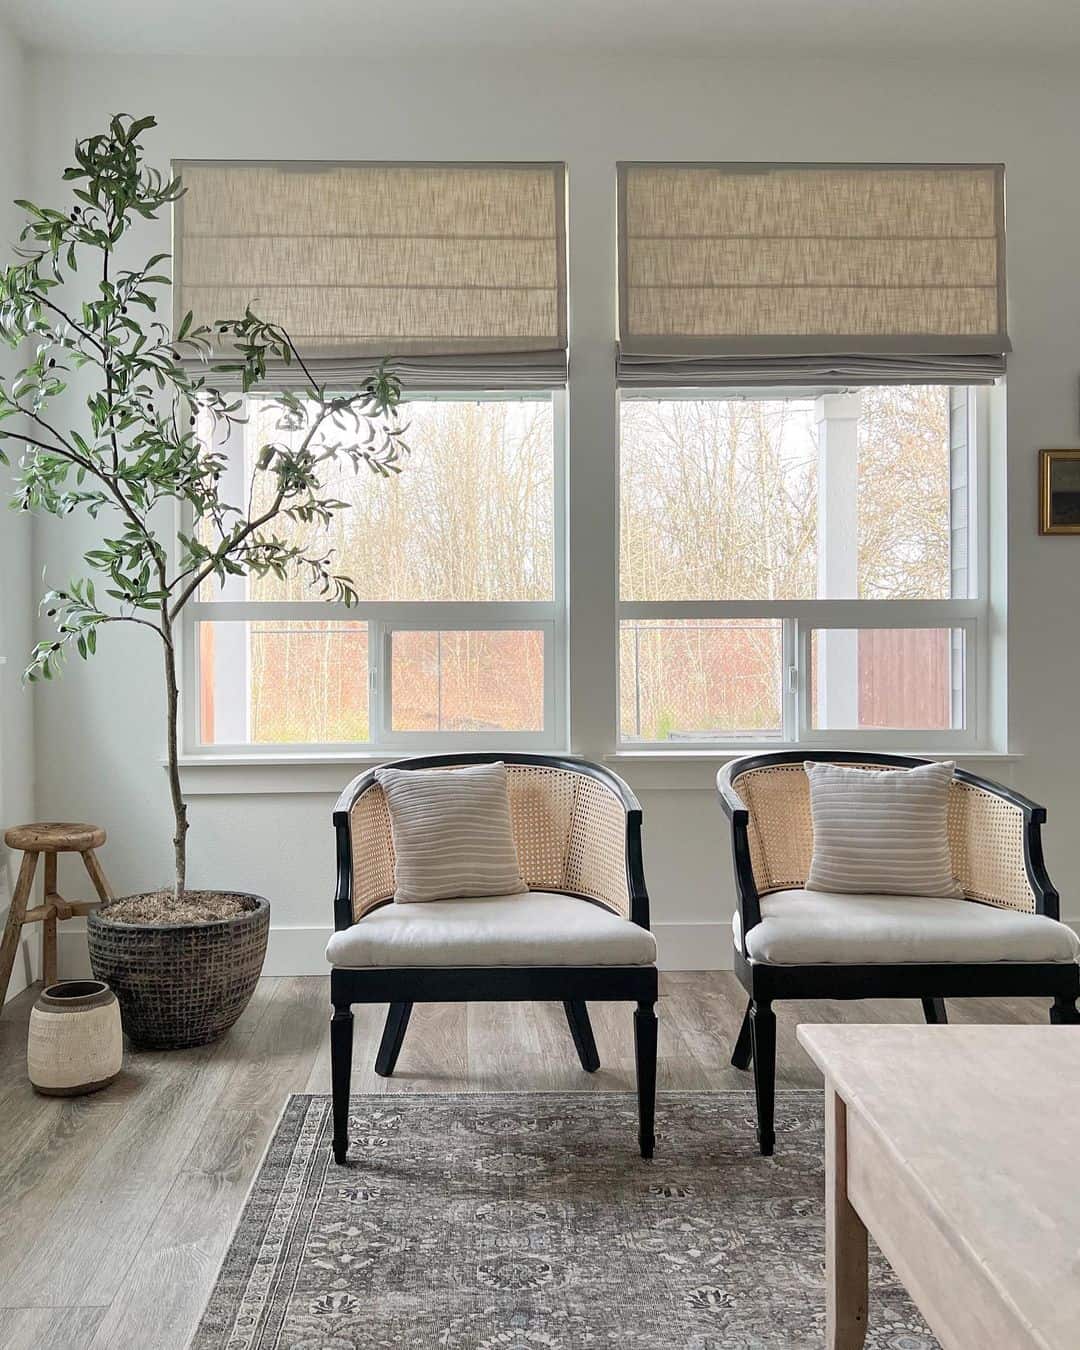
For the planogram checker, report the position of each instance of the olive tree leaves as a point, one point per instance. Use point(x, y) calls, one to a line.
point(156, 420)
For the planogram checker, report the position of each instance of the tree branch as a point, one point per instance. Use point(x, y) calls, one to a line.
point(68, 451)
point(281, 332)
point(83, 332)
point(223, 552)
point(248, 530)
point(145, 623)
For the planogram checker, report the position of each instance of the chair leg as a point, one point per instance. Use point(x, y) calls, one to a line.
point(1064, 1012)
point(743, 1052)
point(934, 1011)
point(97, 875)
point(577, 1017)
point(645, 1051)
point(48, 950)
point(341, 1041)
point(13, 930)
point(397, 1019)
point(48, 927)
point(763, 1038)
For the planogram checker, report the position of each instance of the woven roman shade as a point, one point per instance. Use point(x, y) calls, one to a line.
point(810, 274)
point(457, 271)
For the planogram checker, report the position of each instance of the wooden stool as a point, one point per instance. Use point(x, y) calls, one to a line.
point(50, 839)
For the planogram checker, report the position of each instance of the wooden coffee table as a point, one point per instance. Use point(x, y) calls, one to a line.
point(955, 1147)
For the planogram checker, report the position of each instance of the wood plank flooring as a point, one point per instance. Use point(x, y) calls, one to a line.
point(116, 1209)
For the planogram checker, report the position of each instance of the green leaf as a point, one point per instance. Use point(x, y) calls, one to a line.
point(138, 127)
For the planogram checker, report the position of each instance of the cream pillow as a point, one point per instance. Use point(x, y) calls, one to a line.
point(452, 833)
point(882, 831)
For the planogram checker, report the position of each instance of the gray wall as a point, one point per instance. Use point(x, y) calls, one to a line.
point(99, 735)
point(16, 586)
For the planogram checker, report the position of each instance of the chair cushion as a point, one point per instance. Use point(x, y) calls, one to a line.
point(452, 832)
point(822, 928)
point(535, 928)
point(881, 830)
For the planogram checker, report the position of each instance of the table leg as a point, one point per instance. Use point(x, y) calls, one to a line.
point(846, 1274)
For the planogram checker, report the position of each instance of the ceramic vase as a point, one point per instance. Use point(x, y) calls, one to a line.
point(75, 1043)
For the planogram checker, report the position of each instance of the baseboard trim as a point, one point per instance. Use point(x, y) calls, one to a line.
point(694, 946)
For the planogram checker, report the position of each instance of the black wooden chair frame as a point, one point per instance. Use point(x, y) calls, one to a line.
point(766, 983)
point(572, 986)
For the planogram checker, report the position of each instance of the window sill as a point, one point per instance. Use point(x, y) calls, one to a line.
point(225, 775)
point(283, 774)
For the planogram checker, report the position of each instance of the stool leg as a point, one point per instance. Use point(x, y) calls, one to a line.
point(48, 926)
point(10, 945)
point(97, 876)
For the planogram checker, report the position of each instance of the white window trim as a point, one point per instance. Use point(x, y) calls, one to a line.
point(800, 617)
point(317, 768)
point(383, 618)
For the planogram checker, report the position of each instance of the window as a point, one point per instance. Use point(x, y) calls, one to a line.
point(797, 564)
point(803, 357)
point(458, 270)
point(805, 364)
point(459, 636)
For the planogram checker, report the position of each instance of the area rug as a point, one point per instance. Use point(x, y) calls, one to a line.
point(528, 1222)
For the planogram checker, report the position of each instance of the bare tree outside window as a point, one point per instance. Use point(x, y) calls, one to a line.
point(472, 525)
point(720, 502)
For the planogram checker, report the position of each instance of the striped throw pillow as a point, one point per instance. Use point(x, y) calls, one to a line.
point(452, 833)
point(881, 831)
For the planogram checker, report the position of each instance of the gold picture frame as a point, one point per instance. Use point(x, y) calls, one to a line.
point(1059, 491)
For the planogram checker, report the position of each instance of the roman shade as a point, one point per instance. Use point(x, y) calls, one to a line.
point(810, 274)
point(456, 271)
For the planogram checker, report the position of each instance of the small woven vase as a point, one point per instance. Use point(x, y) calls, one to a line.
point(75, 1043)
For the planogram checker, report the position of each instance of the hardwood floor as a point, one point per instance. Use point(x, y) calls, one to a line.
point(116, 1208)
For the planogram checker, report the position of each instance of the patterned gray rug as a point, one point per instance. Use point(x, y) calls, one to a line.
point(528, 1222)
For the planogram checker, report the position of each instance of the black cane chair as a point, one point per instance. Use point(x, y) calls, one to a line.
point(581, 932)
point(1001, 940)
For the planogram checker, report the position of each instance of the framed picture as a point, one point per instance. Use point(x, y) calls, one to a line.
point(1059, 491)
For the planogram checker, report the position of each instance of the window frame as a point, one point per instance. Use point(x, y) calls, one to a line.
point(799, 618)
point(383, 618)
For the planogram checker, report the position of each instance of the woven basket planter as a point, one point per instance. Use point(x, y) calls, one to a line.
point(182, 984)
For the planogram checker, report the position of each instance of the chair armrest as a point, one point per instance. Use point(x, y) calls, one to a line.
point(996, 837)
point(745, 885)
point(730, 800)
point(343, 886)
point(343, 849)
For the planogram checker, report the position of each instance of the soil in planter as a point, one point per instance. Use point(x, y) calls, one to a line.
point(162, 907)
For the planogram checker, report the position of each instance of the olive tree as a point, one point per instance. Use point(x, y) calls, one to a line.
point(154, 425)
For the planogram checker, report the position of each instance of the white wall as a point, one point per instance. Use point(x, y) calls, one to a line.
point(99, 735)
point(16, 591)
